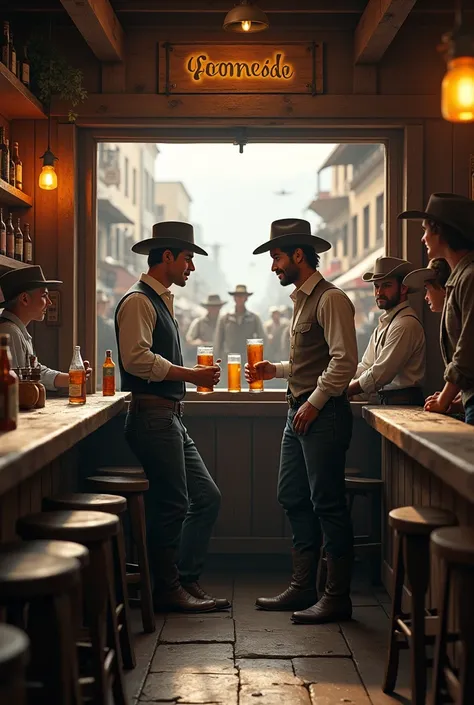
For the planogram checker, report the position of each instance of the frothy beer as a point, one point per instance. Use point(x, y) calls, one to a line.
point(205, 357)
point(233, 372)
point(255, 354)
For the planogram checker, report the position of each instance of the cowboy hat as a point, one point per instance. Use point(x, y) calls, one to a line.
point(241, 289)
point(292, 232)
point(213, 300)
point(447, 209)
point(438, 271)
point(16, 281)
point(386, 267)
point(172, 234)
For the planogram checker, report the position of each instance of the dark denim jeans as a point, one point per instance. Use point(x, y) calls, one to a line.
point(183, 501)
point(311, 486)
point(469, 412)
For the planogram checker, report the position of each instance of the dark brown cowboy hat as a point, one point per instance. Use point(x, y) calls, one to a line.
point(169, 233)
point(242, 290)
point(292, 232)
point(448, 209)
point(417, 279)
point(386, 267)
point(213, 300)
point(16, 281)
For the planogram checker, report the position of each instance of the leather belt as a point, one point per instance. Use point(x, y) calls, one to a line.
point(294, 402)
point(142, 404)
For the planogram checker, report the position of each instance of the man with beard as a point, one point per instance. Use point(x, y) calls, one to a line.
point(393, 366)
point(322, 360)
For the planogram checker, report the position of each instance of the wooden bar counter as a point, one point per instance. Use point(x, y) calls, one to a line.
point(42, 456)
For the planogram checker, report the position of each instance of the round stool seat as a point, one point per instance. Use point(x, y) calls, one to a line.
point(80, 526)
point(59, 549)
point(14, 646)
point(351, 471)
point(455, 544)
point(123, 485)
point(111, 503)
point(27, 575)
point(420, 520)
point(363, 484)
point(122, 471)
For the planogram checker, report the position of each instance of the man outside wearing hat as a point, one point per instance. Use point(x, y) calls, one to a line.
point(25, 299)
point(273, 328)
point(202, 329)
point(183, 501)
point(448, 224)
point(234, 328)
point(393, 365)
point(322, 361)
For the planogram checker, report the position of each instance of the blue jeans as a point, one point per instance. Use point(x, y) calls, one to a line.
point(469, 412)
point(311, 485)
point(183, 501)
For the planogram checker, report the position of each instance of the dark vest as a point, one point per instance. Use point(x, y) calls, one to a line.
point(166, 343)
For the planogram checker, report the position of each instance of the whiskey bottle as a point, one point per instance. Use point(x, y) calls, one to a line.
point(25, 68)
point(18, 242)
point(8, 387)
point(108, 375)
point(11, 170)
point(17, 167)
point(10, 237)
point(4, 157)
point(5, 45)
point(27, 245)
point(13, 57)
point(77, 378)
point(3, 234)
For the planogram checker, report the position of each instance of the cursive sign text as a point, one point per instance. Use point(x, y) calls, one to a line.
point(273, 68)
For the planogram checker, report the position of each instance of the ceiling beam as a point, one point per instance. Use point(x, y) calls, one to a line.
point(98, 24)
point(270, 6)
point(378, 27)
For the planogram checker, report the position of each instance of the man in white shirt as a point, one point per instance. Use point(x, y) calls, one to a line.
point(393, 366)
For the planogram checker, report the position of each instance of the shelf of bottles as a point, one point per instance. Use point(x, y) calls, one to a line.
point(16, 100)
point(16, 245)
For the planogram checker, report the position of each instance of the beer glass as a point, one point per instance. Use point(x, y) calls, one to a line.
point(205, 356)
point(255, 354)
point(233, 373)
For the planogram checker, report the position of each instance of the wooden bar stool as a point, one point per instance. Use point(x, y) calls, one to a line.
point(411, 554)
point(14, 646)
point(133, 489)
point(95, 530)
point(46, 585)
point(454, 682)
point(129, 471)
point(112, 504)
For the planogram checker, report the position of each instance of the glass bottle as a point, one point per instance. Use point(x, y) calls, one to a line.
point(25, 68)
point(13, 57)
point(17, 167)
point(8, 387)
point(4, 156)
point(108, 375)
point(10, 237)
point(3, 235)
point(18, 242)
point(5, 45)
point(27, 245)
point(77, 378)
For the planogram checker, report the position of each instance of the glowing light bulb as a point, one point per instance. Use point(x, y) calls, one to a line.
point(457, 90)
point(246, 25)
point(48, 179)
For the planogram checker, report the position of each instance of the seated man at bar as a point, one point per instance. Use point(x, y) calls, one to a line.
point(448, 225)
point(393, 366)
point(182, 502)
point(25, 299)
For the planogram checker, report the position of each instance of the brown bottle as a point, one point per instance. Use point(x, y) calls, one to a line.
point(3, 234)
point(27, 245)
point(36, 378)
point(10, 237)
point(17, 167)
point(18, 242)
point(108, 375)
point(4, 157)
point(77, 378)
point(5, 45)
point(8, 387)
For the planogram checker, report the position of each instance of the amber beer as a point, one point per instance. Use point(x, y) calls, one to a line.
point(77, 378)
point(234, 363)
point(255, 354)
point(205, 356)
point(108, 375)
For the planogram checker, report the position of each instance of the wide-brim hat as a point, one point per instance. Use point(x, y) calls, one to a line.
point(386, 267)
point(292, 232)
point(16, 281)
point(169, 233)
point(242, 290)
point(213, 300)
point(447, 209)
point(417, 279)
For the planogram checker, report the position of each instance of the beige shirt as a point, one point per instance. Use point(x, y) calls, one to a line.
point(396, 354)
point(136, 321)
point(335, 315)
point(203, 329)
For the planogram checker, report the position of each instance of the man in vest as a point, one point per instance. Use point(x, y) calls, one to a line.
point(393, 366)
point(183, 501)
point(202, 329)
point(322, 361)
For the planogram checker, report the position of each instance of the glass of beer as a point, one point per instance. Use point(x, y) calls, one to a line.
point(205, 356)
point(255, 354)
point(234, 363)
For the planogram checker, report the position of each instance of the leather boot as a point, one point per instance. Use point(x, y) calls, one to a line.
point(194, 589)
point(302, 590)
point(169, 595)
point(335, 605)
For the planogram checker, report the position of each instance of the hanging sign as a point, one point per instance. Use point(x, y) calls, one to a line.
point(242, 68)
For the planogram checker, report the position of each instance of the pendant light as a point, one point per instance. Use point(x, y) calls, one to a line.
point(48, 179)
point(246, 18)
point(457, 90)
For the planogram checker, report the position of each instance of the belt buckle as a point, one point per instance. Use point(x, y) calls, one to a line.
point(181, 408)
point(291, 401)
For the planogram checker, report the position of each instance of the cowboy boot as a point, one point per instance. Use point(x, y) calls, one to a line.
point(194, 589)
point(335, 605)
point(169, 595)
point(302, 590)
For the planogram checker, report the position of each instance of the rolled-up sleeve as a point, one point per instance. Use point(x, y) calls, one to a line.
point(460, 371)
point(136, 322)
point(47, 377)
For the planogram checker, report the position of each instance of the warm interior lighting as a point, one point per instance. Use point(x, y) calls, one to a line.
point(48, 179)
point(246, 17)
point(457, 90)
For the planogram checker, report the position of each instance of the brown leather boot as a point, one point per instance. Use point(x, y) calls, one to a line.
point(194, 589)
point(302, 590)
point(169, 595)
point(335, 605)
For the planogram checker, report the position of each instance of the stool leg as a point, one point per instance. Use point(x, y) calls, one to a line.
point(417, 561)
point(136, 509)
point(391, 670)
point(466, 633)
point(118, 687)
point(375, 535)
point(126, 644)
point(440, 646)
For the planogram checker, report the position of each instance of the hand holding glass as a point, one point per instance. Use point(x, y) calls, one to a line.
point(205, 357)
point(255, 354)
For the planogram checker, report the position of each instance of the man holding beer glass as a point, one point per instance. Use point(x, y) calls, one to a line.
point(322, 362)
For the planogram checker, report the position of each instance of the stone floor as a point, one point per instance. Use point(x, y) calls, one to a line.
point(250, 657)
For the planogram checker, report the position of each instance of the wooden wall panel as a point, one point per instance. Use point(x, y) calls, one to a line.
point(267, 515)
point(233, 461)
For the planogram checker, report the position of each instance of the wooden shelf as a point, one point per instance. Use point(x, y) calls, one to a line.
point(7, 263)
point(16, 101)
point(10, 196)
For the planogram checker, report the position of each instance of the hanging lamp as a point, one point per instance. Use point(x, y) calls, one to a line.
point(246, 18)
point(48, 179)
point(457, 89)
